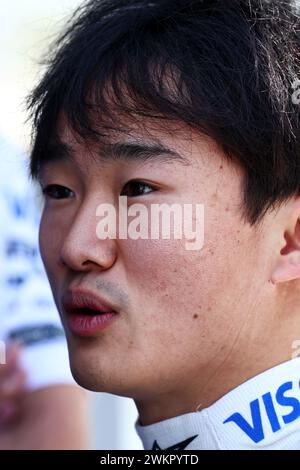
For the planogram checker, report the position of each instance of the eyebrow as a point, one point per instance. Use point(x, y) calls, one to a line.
point(132, 151)
point(142, 152)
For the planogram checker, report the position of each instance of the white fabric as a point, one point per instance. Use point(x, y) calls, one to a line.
point(260, 414)
point(26, 301)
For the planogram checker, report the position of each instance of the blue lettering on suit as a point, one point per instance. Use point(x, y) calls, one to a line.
point(255, 430)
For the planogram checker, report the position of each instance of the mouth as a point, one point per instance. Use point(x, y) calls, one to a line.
point(86, 314)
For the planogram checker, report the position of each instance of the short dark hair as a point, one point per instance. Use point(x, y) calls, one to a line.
point(223, 67)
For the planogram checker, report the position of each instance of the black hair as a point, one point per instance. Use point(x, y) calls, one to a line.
point(223, 67)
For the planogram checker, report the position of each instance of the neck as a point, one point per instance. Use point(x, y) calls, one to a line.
point(225, 373)
point(263, 413)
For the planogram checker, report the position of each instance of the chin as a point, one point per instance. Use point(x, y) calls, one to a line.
point(86, 379)
point(94, 370)
point(85, 370)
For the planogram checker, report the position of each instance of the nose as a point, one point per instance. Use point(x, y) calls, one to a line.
point(81, 249)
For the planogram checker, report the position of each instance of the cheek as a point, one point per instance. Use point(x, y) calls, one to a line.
point(189, 294)
point(49, 240)
point(175, 294)
point(45, 239)
point(173, 285)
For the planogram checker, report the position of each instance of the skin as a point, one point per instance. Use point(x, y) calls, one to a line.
point(12, 384)
point(191, 325)
point(43, 421)
point(39, 420)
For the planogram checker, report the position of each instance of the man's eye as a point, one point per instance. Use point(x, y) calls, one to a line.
point(55, 191)
point(137, 188)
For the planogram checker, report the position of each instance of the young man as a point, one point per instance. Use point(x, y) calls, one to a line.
point(40, 405)
point(187, 103)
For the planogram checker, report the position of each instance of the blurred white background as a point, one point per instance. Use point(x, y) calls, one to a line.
point(26, 29)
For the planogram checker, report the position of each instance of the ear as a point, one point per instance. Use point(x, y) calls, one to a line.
point(287, 266)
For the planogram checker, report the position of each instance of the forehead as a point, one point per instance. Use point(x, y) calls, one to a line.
point(146, 140)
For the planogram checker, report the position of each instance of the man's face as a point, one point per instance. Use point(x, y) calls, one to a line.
point(180, 312)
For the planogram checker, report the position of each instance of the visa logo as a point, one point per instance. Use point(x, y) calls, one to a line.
point(255, 429)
